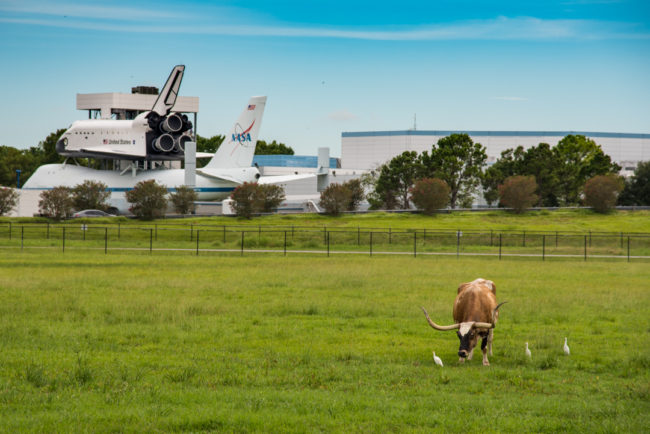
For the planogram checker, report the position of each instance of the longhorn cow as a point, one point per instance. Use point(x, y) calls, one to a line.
point(475, 314)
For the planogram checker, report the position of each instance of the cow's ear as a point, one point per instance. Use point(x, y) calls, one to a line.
point(492, 286)
point(465, 327)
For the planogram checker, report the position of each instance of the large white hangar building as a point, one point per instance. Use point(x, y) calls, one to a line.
point(367, 150)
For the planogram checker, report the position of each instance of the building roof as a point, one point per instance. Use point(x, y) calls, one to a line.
point(494, 133)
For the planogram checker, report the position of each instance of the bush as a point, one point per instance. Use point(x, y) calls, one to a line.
point(8, 200)
point(250, 198)
point(148, 200)
point(268, 197)
point(430, 194)
point(56, 203)
point(356, 193)
point(601, 192)
point(90, 195)
point(183, 199)
point(518, 193)
point(335, 199)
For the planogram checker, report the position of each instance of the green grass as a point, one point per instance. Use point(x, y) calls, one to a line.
point(172, 342)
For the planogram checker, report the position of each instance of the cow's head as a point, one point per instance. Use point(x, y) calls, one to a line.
point(468, 336)
point(468, 332)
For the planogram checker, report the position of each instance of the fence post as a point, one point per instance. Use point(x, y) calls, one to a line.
point(491, 234)
point(543, 247)
point(324, 234)
point(285, 245)
point(628, 248)
point(390, 236)
point(556, 239)
point(105, 241)
point(48, 230)
point(585, 247)
point(191, 231)
point(224, 234)
point(524, 238)
point(415, 244)
point(197, 241)
point(621, 240)
point(370, 243)
point(500, 246)
point(589, 238)
point(425, 234)
point(10, 230)
point(242, 243)
point(358, 235)
point(63, 238)
point(156, 226)
point(22, 236)
point(259, 232)
point(328, 245)
point(84, 229)
point(150, 240)
point(118, 231)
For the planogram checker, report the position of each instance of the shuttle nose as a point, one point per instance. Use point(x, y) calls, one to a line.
point(61, 144)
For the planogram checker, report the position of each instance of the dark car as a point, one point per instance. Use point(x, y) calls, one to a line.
point(91, 213)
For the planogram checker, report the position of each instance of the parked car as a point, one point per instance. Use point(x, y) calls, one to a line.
point(91, 213)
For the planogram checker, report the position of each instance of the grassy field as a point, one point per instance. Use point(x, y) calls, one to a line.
point(172, 342)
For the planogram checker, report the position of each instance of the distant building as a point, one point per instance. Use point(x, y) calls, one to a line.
point(367, 150)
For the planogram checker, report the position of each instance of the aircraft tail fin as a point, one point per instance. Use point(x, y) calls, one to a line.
point(238, 147)
point(167, 97)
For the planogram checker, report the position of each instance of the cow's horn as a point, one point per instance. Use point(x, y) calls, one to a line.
point(436, 326)
point(487, 325)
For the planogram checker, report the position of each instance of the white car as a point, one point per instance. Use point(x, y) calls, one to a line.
point(91, 213)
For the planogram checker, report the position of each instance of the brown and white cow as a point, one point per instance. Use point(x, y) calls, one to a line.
point(475, 312)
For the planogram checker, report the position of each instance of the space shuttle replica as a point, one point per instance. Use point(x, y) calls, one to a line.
point(157, 134)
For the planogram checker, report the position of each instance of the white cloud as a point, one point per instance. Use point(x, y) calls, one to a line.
point(342, 115)
point(117, 18)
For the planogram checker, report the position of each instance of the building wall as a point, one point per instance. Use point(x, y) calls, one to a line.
point(367, 150)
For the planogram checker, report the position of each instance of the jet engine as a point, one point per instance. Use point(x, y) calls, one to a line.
point(171, 124)
point(168, 134)
point(164, 143)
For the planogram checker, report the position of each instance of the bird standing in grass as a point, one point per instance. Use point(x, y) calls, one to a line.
point(566, 348)
point(437, 359)
point(528, 353)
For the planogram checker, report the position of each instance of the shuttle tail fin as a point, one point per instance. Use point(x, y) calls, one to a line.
point(238, 147)
point(167, 97)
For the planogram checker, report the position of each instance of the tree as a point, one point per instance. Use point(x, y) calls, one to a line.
point(637, 187)
point(430, 194)
point(273, 148)
point(458, 161)
point(90, 195)
point(243, 197)
point(8, 200)
point(147, 199)
point(396, 178)
point(356, 193)
point(183, 199)
point(601, 192)
point(268, 197)
point(56, 203)
point(578, 159)
point(48, 148)
point(335, 199)
point(518, 192)
point(204, 144)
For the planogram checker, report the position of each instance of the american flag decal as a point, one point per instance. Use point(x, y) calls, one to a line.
point(251, 106)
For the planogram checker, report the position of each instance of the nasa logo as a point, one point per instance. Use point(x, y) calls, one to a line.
point(244, 136)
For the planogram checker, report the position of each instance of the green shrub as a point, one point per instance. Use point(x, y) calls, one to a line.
point(56, 203)
point(518, 193)
point(90, 195)
point(148, 200)
point(335, 199)
point(601, 192)
point(183, 199)
point(430, 194)
point(8, 200)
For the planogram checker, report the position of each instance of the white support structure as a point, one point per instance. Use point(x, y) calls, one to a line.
point(190, 164)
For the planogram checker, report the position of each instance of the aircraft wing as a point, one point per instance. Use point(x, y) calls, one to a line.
point(280, 179)
point(216, 174)
point(105, 150)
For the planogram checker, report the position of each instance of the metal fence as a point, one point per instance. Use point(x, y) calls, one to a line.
point(241, 239)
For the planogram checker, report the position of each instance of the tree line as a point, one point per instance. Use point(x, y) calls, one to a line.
point(541, 176)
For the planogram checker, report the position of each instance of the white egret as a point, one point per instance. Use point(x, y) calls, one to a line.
point(437, 359)
point(566, 348)
point(528, 353)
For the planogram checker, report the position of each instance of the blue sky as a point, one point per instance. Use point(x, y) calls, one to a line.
point(333, 66)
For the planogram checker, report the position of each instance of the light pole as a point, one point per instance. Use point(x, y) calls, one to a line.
point(17, 178)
